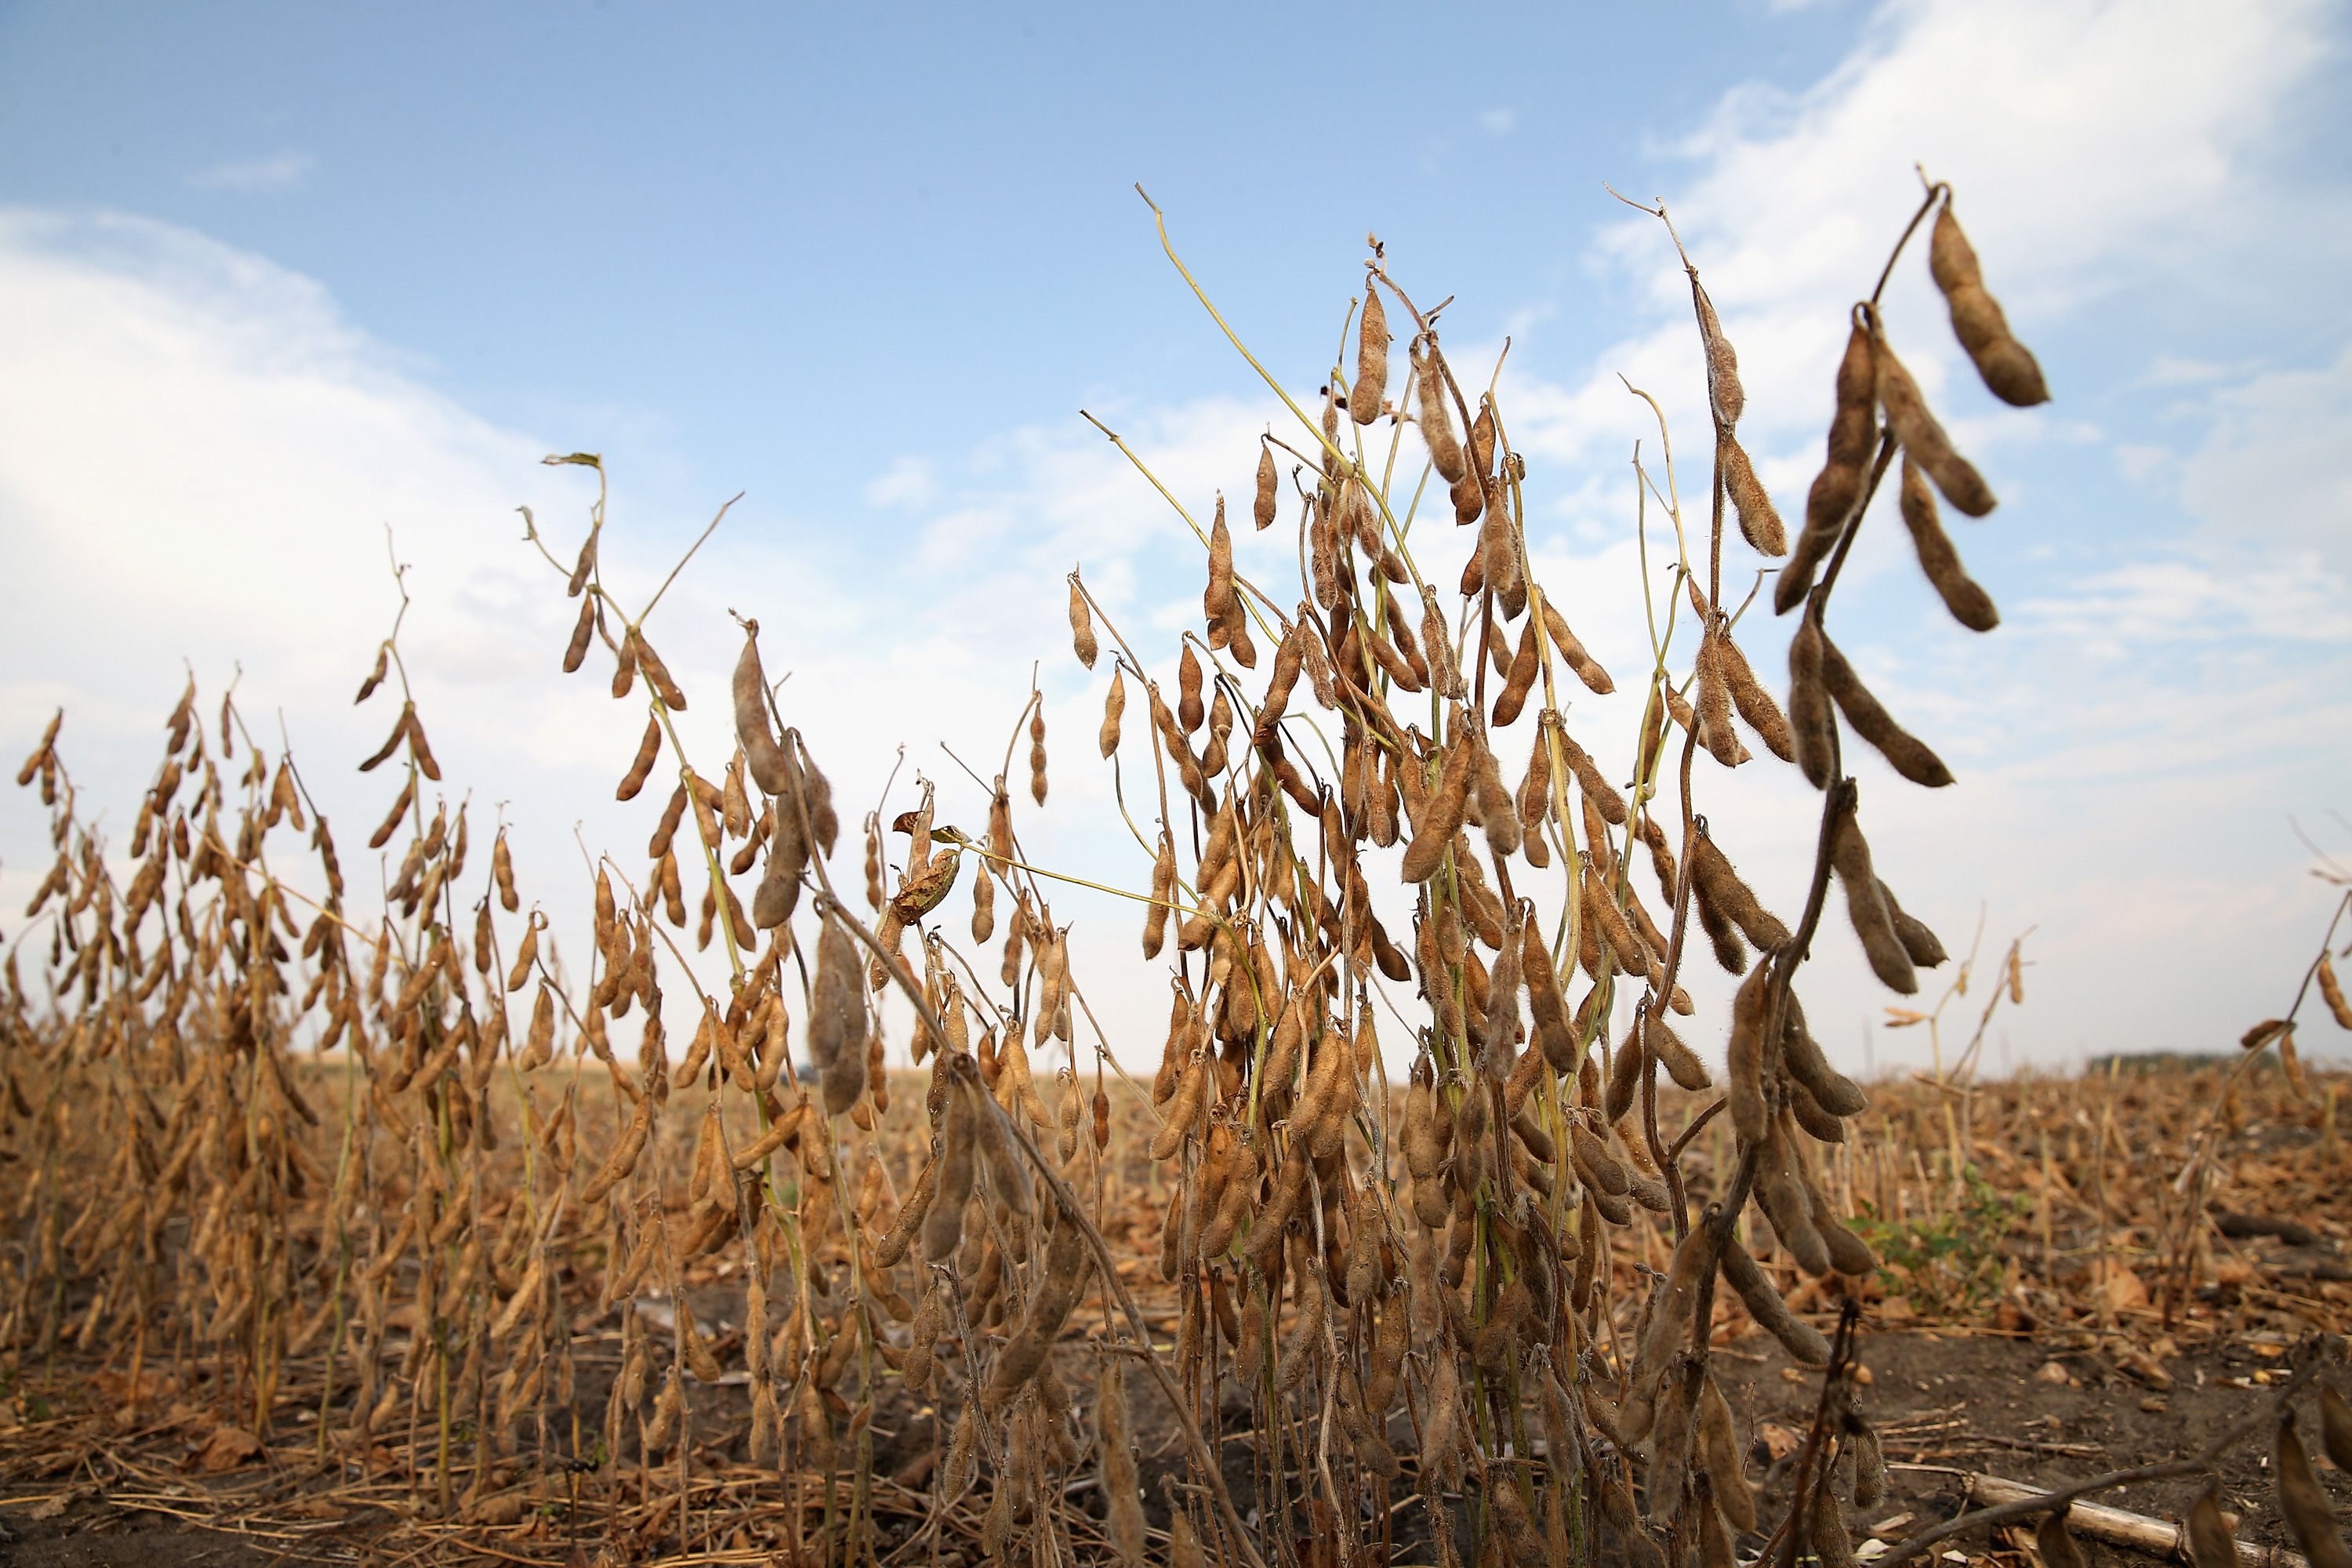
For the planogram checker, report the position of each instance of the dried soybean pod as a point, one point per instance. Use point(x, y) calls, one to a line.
point(1435, 418)
point(2008, 368)
point(1798, 1338)
point(984, 906)
point(1441, 818)
point(657, 676)
point(1681, 1064)
point(1184, 1109)
point(1833, 1537)
point(1587, 669)
point(574, 651)
point(2336, 1427)
point(1759, 520)
point(1832, 1089)
point(1597, 790)
point(1595, 1162)
point(1713, 878)
point(1870, 1477)
point(2330, 988)
point(642, 764)
point(1904, 752)
point(1113, 710)
point(1496, 807)
point(2211, 1545)
point(836, 1036)
point(1524, 665)
point(1849, 1254)
point(1217, 605)
point(1163, 891)
point(1670, 1314)
point(1809, 717)
point(1082, 625)
point(1189, 711)
point(1926, 950)
point(1922, 438)
point(1970, 604)
point(943, 1221)
point(1850, 855)
point(761, 751)
point(1067, 1266)
point(2055, 1542)
point(1754, 704)
point(1371, 360)
point(1781, 1192)
point(2304, 1503)
point(1838, 484)
point(1713, 707)
point(911, 1213)
point(1122, 1500)
point(1723, 389)
point(1718, 1456)
point(1262, 504)
point(1037, 753)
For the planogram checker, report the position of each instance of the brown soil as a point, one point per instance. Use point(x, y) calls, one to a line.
point(1947, 1402)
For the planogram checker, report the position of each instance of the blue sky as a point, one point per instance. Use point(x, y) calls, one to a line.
point(274, 277)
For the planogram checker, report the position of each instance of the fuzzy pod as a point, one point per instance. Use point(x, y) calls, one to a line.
point(1713, 707)
point(1718, 885)
point(2211, 1545)
point(1596, 788)
point(1371, 381)
point(1217, 603)
point(1926, 949)
point(1670, 1438)
point(1681, 1064)
point(1082, 627)
point(1760, 519)
point(1844, 469)
point(943, 1218)
point(1262, 503)
point(1068, 1266)
point(1587, 669)
point(1435, 418)
point(1833, 1536)
point(2305, 1502)
point(575, 651)
point(837, 1038)
point(1804, 1341)
point(1184, 1109)
point(1441, 819)
point(1163, 892)
point(1849, 1254)
point(1723, 390)
point(1938, 558)
point(2331, 989)
point(762, 752)
point(1811, 719)
point(1850, 856)
point(1781, 1192)
point(1525, 667)
point(1754, 704)
point(1904, 752)
point(2008, 368)
point(1718, 1456)
point(1922, 438)
point(1832, 1089)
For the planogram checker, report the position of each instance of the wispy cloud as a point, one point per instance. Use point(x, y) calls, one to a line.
point(281, 171)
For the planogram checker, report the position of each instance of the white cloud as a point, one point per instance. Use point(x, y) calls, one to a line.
point(1498, 121)
point(2270, 474)
point(281, 171)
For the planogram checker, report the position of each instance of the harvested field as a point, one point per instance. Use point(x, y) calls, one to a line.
point(1447, 1230)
